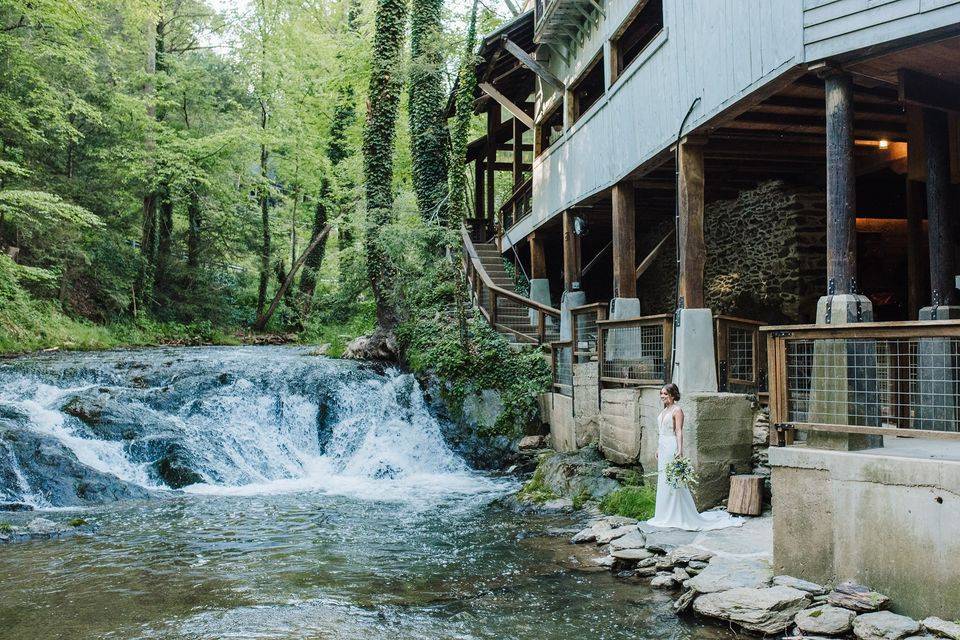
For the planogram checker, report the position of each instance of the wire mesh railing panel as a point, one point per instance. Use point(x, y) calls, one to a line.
point(634, 354)
point(585, 328)
point(907, 383)
point(563, 368)
point(740, 353)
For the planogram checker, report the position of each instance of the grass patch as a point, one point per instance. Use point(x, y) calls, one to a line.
point(5, 528)
point(536, 490)
point(77, 522)
point(339, 332)
point(631, 501)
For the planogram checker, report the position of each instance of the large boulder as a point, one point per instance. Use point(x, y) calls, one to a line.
point(804, 585)
point(52, 470)
point(884, 625)
point(825, 620)
point(725, 573)
point(768, 610)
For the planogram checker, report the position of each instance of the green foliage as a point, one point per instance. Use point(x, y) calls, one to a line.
point(428, 132)
point(631, 501)
point(466, 85)
point(429, 337)
point(77, 522)
point(536, 489)
point(337, 331)
point(6, 528)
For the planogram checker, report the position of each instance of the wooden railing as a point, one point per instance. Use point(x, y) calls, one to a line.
point(517, 207)
point(741, 355)
point(584, 330)
point(635, 352)
point(869, 378)
point(506, 310)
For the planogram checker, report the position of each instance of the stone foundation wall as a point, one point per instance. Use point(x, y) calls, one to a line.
point(766, 256)
point(887, 518)
point(717, 433)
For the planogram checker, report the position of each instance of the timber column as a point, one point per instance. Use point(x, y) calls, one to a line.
point(573, 296)
point(539, 284)
point(621, 344)
point(694, 362)
point(938, 384)
point(844, 373)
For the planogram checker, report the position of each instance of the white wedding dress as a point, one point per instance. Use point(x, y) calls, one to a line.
point(675, 508)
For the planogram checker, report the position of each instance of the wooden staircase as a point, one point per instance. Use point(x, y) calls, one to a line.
point(492, 291)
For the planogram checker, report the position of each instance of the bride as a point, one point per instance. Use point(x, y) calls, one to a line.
point(675, 508)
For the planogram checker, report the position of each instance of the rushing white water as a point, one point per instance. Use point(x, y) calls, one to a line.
point(240, 421)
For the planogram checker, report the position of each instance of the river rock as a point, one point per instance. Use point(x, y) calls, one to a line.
point(724, 573)
point(632, 540)
point(767, 610)
point(825, 620)
point(696, 565)
point(810, 587)
point(663, 581)
point(50, 469)
point(605, 537)
point(884, 625)
point(683, 603)
point(380, 345)
point(942, 628)
point(589, 534)
point(531, 443)
point(630, 555)
point(605, 561)
point(666, 540)
point(688, 553)
point(851, 595)
point(680, 575)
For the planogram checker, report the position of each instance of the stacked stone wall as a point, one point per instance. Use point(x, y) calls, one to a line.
point(766, 256)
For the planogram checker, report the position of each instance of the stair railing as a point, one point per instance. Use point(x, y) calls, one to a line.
point(488, 298)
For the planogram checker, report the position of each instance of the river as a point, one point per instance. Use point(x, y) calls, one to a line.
point(317, 499)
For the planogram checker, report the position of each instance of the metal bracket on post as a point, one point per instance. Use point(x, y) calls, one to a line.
point(722, 366)
point(936, 303)
point(831, 290)
point(676, 314)
point(853, 290)
point(784, 433)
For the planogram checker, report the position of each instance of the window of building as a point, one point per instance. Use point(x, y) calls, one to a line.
point(588, 89)
point(550, 128)
point(634, 36)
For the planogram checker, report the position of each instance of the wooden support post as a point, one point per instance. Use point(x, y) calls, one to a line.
point(538, 259)
point(693, 249)
point(493, 121)
point(571, 253)
point(624, 241)
point(937, 146)
point(479, 199)
point(517, 154)
point(841, 184)
point(916, 205)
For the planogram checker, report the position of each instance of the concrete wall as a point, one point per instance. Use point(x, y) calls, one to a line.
point(718, 432)
point(586, 402)
point(888, 518)
point(563, 435)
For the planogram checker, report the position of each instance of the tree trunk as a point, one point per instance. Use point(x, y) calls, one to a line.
point(457, 205)
point(383, 103)
point(164, 239)
point(193, 230)
point(265, 317)
point(264, 221)
point(311, 268)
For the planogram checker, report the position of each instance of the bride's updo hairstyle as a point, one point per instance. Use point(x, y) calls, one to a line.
point(673, 391)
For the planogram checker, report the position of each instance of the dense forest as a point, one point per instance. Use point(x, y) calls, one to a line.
point(166, 164)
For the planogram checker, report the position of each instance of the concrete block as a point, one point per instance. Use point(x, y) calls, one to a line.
point(718, 433)
point(884, 517)
point(569, 300)
point(540, 292)
point(563, 435)
point(620, 425)
point(694, 369)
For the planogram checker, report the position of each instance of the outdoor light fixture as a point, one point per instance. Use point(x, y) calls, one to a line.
point(883, 143)
point(579, 226)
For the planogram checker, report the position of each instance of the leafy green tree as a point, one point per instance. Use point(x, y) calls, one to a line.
point(466, 86)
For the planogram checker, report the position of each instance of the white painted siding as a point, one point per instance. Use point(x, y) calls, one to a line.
point(717, 50)
point(832, 27)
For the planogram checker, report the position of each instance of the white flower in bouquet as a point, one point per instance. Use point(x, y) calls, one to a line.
point(680, 473)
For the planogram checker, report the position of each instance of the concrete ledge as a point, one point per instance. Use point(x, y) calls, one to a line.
point(886, 517)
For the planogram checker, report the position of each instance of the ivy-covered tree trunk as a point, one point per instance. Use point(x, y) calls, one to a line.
point(148, 225)
point(164, 239)
point(428, 132)
point(264, 221)
point(194, 224)
point(467, 84)
point(383, 102)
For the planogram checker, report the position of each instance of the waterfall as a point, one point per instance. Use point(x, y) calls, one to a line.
point(218, 421)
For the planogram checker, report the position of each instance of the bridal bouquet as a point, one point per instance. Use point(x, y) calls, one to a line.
point(680, 473)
